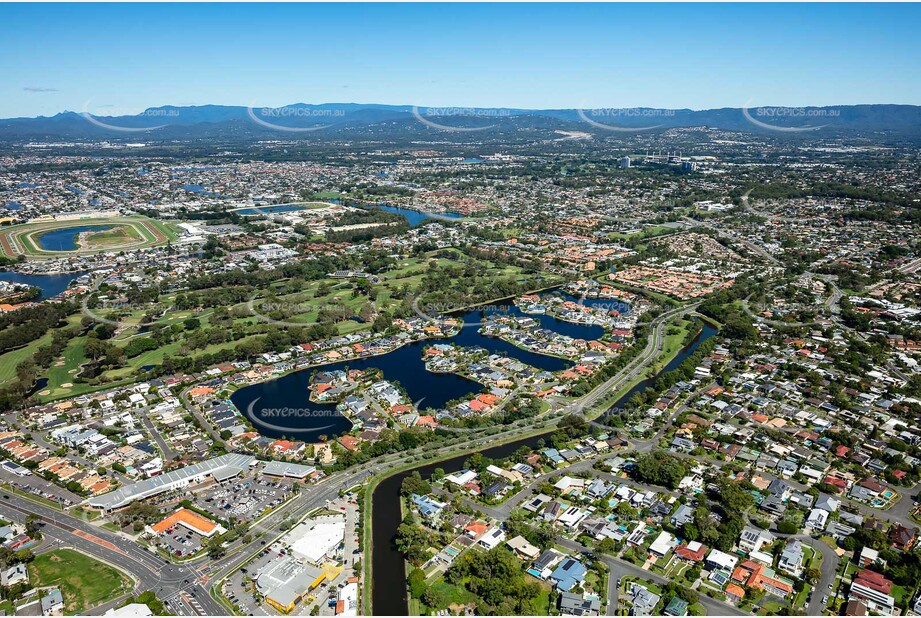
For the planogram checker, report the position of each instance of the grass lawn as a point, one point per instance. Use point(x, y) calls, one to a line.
point(86, 514)
point(647, 232)
point(801, 596)
point(455, 593)
point(84, 582)
point(771, 607)
point(542, 600)
point(9, 360)
point(116, 236)
point(816, 562)
point(65, 368)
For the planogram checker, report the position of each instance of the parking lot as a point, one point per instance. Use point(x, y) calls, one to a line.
point(181, 542)
point(38, 486)
point(243, 499)
point(239, 589)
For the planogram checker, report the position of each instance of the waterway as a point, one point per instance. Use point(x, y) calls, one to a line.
point(706, 332)
point(280, 407)
point(414, 217)
point(387, 565)
point(65, 239)
point(50, 285)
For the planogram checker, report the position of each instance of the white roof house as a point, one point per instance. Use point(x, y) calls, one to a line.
point(663, 544)
point(572, 516)
point(721, 560)
point(492, 537)
point(817, 519)
point(461, 478)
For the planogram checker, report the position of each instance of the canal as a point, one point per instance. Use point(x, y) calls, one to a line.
point(280, 407)
point(388, 591)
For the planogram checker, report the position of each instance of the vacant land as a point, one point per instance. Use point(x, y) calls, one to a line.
point(84, 582)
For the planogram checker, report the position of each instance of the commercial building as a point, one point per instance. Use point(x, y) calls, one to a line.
point(314, 540)
point(190, 520)
point(223, 467)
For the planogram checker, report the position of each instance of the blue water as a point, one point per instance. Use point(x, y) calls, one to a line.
point(50, 285)
point(200, 190)
point(404, 365)
point(65, 239)
point(414, 217)
point(74, 189)
point(27, 185)
point(706, 332)
point(13, 206)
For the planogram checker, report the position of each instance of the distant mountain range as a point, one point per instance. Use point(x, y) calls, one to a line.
point(354, 121)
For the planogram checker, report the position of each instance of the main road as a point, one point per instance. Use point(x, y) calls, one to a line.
point(199, 577)
point(148, 569)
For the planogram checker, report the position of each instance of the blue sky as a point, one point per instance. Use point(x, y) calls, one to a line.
point(126, 57)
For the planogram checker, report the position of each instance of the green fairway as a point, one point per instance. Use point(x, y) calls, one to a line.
point(288, 302)
point(9, 360)
point(84, 582)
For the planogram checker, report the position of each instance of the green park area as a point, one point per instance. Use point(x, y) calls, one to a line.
point(100, 346)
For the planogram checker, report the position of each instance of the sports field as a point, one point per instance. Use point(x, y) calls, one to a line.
point(124, 233)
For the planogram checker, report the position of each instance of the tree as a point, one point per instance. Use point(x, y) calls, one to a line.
point(606, 545)
point(215, 547)
point(416, 583)
point(660, 468)
point(33, 525)
point(787, 527)
point(415, 484)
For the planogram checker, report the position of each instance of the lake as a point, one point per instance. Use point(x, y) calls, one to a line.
point(50, 285)
point(261, 403)
point(414, 217)
point(266, 210)
point(65, 239)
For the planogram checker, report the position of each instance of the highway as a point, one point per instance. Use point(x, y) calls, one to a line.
point(148, 569)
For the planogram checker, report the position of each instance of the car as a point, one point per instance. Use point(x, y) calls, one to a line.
point(825, 600)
